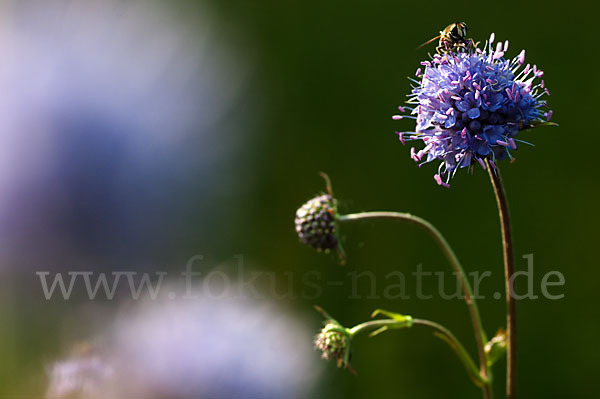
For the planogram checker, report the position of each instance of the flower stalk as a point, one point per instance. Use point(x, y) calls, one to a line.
point(509, 270)
point(335, 340)
point(446, 335)
point(480, 336)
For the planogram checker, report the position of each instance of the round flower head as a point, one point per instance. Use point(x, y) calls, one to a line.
point(315, 223)
point(470, 105)
point(333, 342)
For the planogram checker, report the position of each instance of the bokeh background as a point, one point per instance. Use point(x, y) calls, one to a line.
point(136, 135)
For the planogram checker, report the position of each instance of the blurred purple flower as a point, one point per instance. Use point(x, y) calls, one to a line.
point(83, 376)
point(225, 347)
point(113, 114)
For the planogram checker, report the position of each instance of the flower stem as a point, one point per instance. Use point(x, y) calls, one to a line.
point(377, 324)
point(509, 269)
point(447, 336)
point(440, 331)
point(480, 336)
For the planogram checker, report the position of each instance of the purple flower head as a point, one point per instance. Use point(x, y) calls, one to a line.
point(470, 105)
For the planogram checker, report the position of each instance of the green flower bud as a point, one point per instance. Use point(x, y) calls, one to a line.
point(333, 341)
point(496, 348)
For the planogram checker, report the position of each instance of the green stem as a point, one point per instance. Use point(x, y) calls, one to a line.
point(377, 324)
point(373, 325)
point(447, 336)
point(509, 269)
point(440, 331)
point(480, 336)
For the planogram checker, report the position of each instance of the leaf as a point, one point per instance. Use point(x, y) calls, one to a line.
point(392, 315)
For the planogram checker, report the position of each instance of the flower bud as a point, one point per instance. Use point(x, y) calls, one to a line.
point(496, 347)
point(316, 223)
point(333, 341)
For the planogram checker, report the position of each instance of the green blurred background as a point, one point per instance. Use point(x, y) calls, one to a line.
point(321, 82)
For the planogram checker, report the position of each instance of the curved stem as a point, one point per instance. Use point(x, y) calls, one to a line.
point(447, 336)
point(509, 269)
point(480, 336)
point(377, 324)
point(440, 331)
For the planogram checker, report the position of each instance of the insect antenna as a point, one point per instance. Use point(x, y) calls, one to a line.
point(428, 41)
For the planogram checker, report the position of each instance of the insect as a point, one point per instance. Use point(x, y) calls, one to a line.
point(453, 35)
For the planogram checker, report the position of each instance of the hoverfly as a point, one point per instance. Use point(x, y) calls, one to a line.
point(453, 35)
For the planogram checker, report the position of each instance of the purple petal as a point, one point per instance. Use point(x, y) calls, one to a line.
point(473, 113)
